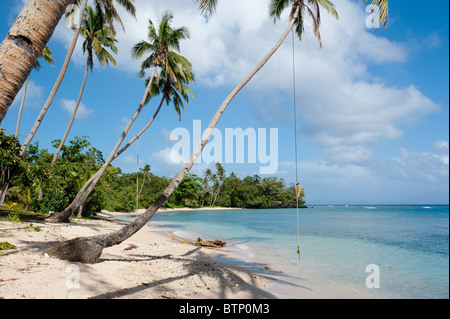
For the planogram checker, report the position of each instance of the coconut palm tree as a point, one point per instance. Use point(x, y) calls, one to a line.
point(89, 249)
point(98, 39)
point(23, 45)
point(162, 46)
point(173, 90)
point(47, 56)
point(105, 6)
point(206, 189)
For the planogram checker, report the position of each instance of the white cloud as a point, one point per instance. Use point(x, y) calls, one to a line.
point(354, 117)
point(83, 112)
point(33, 97)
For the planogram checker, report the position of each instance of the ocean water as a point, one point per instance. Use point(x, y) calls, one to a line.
point(408, 244)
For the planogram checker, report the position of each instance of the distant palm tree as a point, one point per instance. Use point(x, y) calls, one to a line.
point(98, 38)
point(47, 56)
point(105, 6)
point(162, 46)
point(220, 179)
point(206, 189)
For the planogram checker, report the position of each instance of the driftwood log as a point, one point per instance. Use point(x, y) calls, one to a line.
point(207, 243)
point(202, 243)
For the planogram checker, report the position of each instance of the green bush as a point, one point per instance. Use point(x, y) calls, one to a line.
point(52, 201)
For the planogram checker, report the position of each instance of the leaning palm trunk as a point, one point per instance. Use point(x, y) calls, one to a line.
point(92, 182)
point(3, 191)
point(19, 118)
point(74, 114)
point(57, 83)
point(89, 249)
point(80, 198)
point(141, 132)
point(23, 45)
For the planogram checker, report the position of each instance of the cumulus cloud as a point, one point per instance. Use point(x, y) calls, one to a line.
point(83, 112)
point(410, 177)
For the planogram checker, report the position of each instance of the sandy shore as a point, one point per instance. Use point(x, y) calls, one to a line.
point(149, 265)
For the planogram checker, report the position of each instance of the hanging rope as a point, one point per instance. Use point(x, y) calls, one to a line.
point(137, 180)
point(297, 185)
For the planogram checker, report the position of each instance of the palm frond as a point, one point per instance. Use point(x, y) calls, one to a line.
point(207, 6)
point(140, 48)
point(276, 8)
point(329, 6)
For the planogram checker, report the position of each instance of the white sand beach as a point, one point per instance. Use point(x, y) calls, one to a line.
point(149, 265)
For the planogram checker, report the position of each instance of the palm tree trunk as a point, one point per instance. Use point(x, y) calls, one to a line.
point(141, 132)
point(89, 249)
point(19, 118)
point(80, 211)
point(57, 83)
point(74, 114)
point(3, 191)
point(217, 194)
point(80, 198)
point(23, 45)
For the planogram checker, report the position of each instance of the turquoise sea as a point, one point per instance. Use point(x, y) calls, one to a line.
point(408, 244)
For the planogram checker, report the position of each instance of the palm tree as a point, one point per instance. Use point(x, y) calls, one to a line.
point(220, 176)
point(89, 249)
point(23, 45)
point(47, 56)
point(173, 90)
point(162, 47)
point(110, 12)
point(206, 178)
point(56, 86)
point(98, 38)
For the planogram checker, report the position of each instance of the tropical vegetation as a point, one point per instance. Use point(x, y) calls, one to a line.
point(116, 191)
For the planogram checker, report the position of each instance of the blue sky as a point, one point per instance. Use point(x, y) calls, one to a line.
point(372, 104)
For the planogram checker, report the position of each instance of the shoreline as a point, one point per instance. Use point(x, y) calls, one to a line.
point(284, 283)
point(149, 265)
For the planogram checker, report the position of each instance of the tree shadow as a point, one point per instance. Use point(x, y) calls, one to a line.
point(228, 278)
